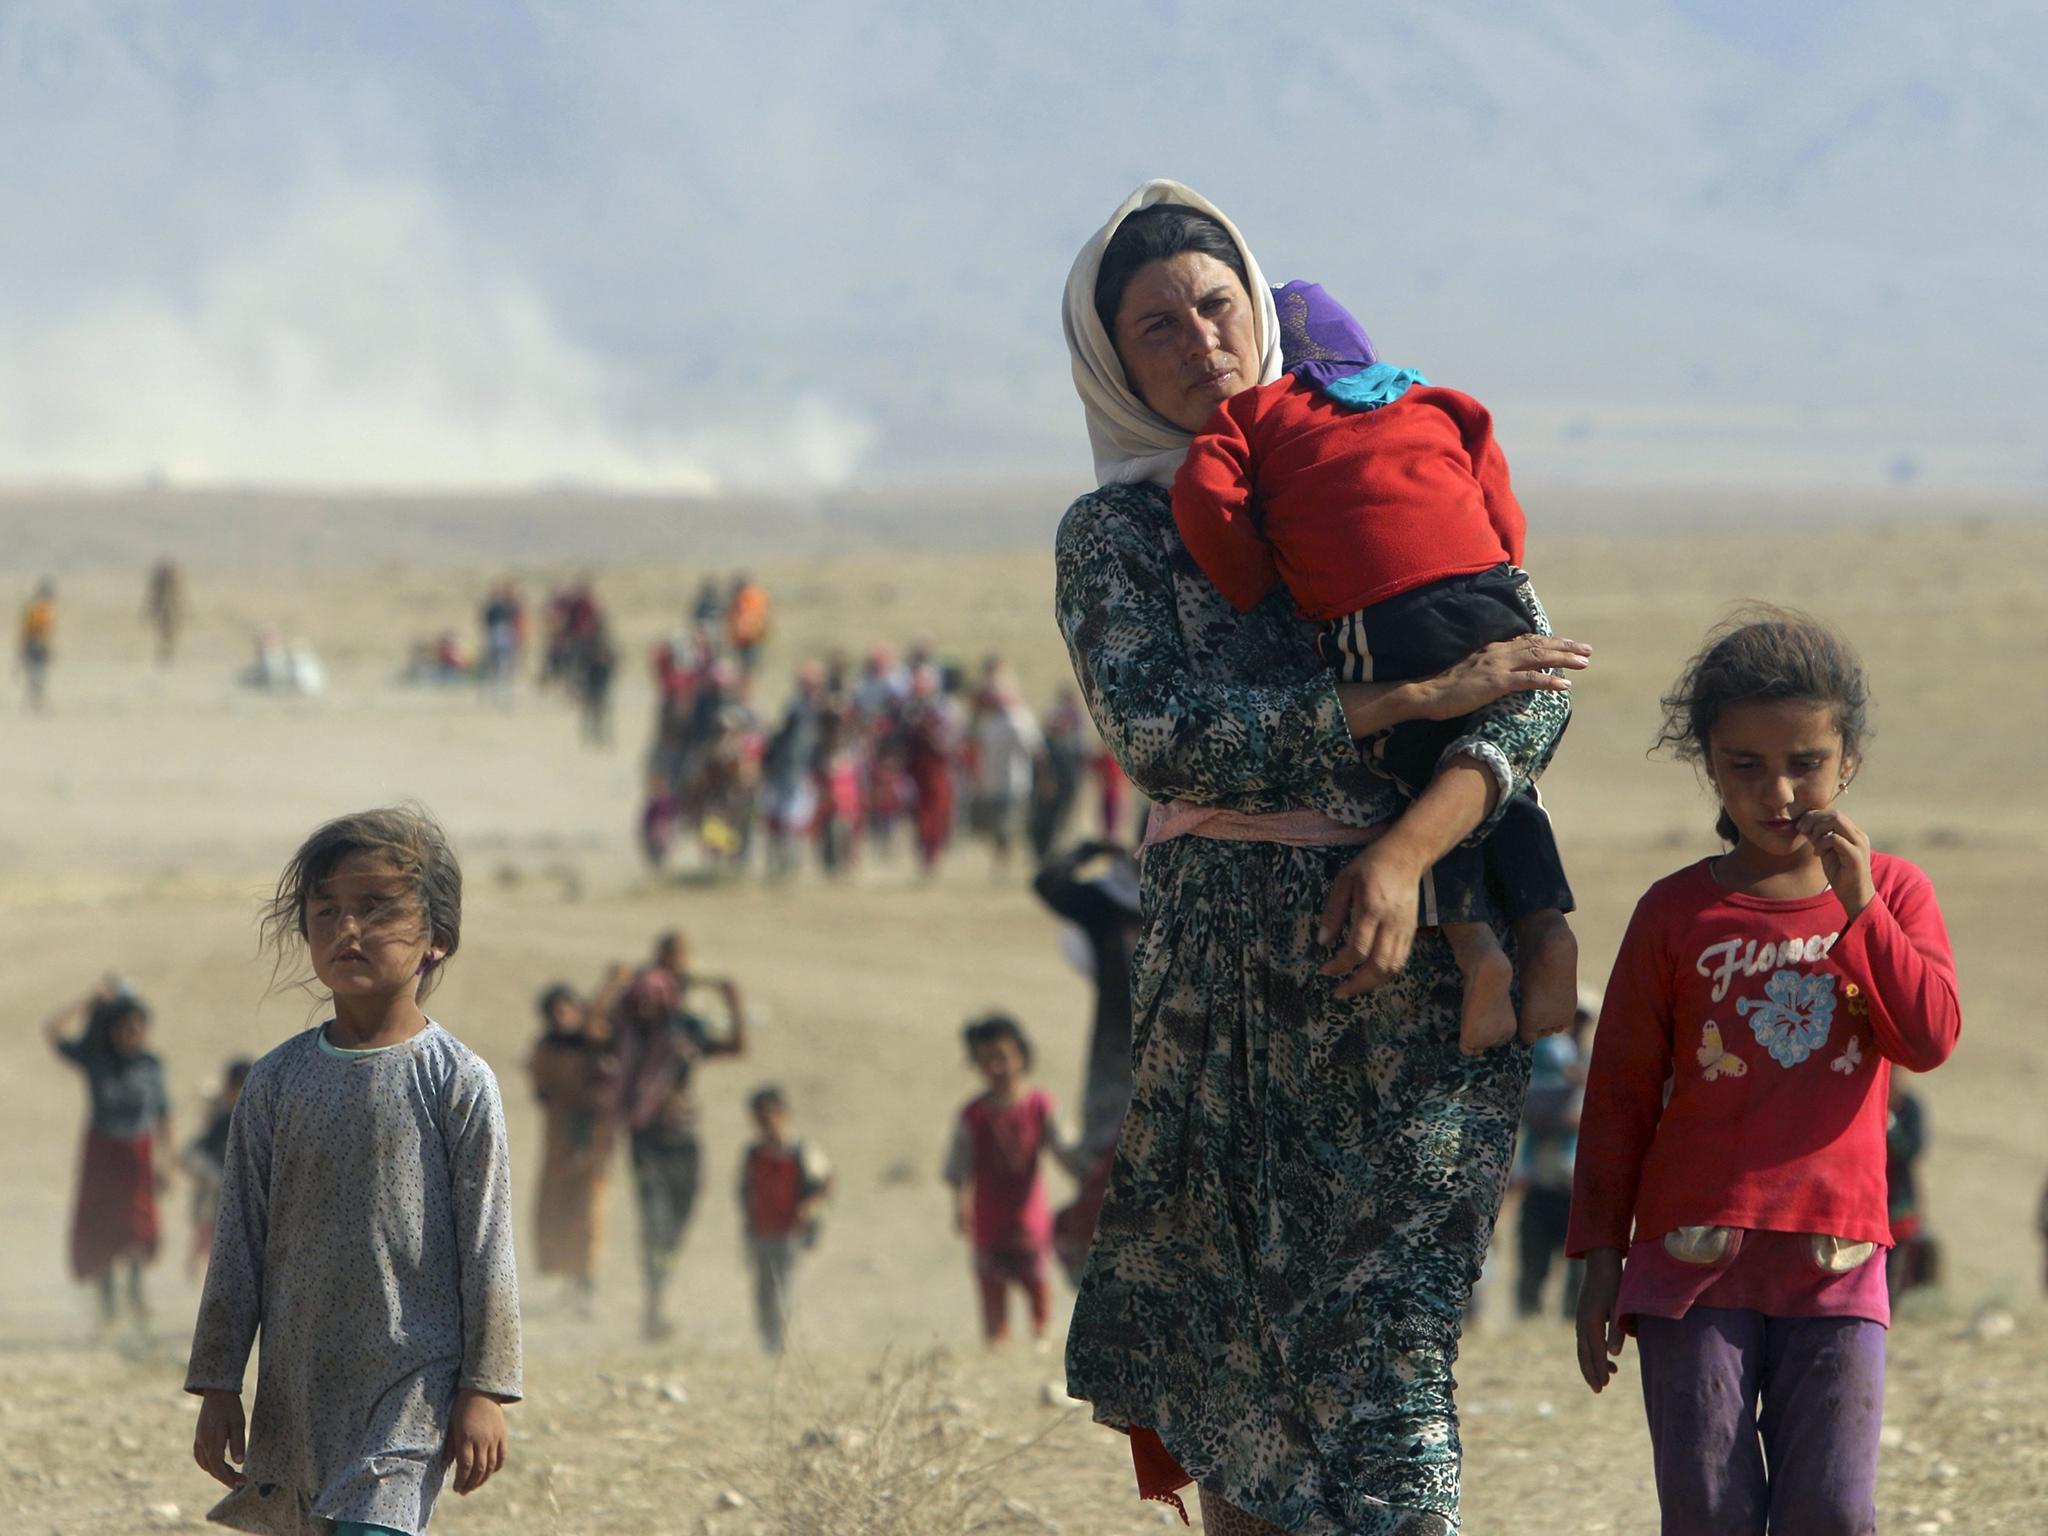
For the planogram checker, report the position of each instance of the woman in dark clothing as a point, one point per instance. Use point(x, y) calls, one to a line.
point(127, 1154)
point(1094, 886)
point(1310, 1169)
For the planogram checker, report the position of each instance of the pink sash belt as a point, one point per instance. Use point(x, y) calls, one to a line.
point(1296, 829)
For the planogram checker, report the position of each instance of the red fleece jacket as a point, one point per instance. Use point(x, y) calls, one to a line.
point(1348, 507)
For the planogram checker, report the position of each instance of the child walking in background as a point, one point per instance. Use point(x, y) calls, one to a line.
point(1383, 504)
point(993, 1166)
point(366, 1217)
point(1729, 1197)
point(126, 1160)
point(784, 1183)
point(204, 1158)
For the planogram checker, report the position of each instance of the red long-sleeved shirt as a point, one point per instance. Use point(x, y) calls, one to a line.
point(1348, 507)
point(1775, 1024)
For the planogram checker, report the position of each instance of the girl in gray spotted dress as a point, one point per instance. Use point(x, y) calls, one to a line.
point(365, 1224)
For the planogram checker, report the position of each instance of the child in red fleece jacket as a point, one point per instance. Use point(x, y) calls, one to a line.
point(1729, 1196)
point(1383, 504)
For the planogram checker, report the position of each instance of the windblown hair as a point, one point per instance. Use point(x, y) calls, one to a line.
point(995, 1027)
point(406, 838)
point(1158, 233)
point(1760, 655)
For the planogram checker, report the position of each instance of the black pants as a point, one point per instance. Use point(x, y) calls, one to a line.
point(665, 1169)
point(1539, 1241)
point(1517, 869)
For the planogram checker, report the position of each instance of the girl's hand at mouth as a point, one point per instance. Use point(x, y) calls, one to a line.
point(1844, 850)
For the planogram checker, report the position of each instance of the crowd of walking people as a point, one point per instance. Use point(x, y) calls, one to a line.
point(898, 754)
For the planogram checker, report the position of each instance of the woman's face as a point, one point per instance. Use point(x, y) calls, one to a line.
point(1185, 335)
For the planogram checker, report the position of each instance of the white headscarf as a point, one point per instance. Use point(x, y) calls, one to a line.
point(1131, 441)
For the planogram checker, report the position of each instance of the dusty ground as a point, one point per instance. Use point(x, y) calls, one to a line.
point(141, 818)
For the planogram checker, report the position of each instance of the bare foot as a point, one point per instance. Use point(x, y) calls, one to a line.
point(1487, 1016)
point(1549, 955)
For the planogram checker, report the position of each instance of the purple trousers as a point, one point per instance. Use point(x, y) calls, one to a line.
point(1763, 1424)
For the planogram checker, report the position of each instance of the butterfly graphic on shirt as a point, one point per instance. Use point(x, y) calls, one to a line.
point(1715, 1056)
point(1851, 1057)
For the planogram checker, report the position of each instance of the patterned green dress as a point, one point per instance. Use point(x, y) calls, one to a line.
point(1305, 1186)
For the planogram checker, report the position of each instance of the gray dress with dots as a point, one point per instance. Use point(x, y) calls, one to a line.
point(366, 1230)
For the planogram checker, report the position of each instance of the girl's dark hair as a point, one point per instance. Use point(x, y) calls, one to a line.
point(1158, 233)
point(406, 837)
point(1759, 655)
point(560, 992)
point(104, 1015)
point(995, 1027)
point(765, 1098)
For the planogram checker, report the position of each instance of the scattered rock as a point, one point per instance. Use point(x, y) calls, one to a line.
point(1053, 1394)
point(164, 1514)
point(1943, 1471)
point(1545, 1410)
point(732, 1498)
point(1023, 1513)
point(1991, 1323)
point(1891, 1438)
point(674, 1392)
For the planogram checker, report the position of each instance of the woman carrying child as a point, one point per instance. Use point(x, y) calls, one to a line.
point(1310, 1168)
point(574, 1072)
point(1729, 1196)
point(126, 1161)
point(366, 1217)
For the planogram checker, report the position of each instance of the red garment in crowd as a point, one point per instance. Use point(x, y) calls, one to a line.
point(116, 1215)
point(1115, 787)
point(930, 766)
point(775, 1189)
point(1005, 1145)
point(1775, 1024)
point(1348, 507)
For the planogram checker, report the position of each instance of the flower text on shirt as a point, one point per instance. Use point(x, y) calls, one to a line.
point(1745, 957)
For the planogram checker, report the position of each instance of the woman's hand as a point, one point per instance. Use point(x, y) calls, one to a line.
point(1599, 1321)
point(476, 1440)
point(1523, 663)
point(1844, 850)
point(218, 1438)
point(1370, 915)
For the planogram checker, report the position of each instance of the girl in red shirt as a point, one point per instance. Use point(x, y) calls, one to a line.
point(993, 1166)
point(1729, 1197)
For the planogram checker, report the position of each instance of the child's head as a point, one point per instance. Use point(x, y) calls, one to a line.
point(672, 952)
point(377, 899)
point(560, 1010)
point(118, 1025)
point(231, 1081)
point(999, 1049)
point(770, 1111)
point(1774, 710)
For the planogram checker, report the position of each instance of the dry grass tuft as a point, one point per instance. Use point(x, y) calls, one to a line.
point(905, 1457)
